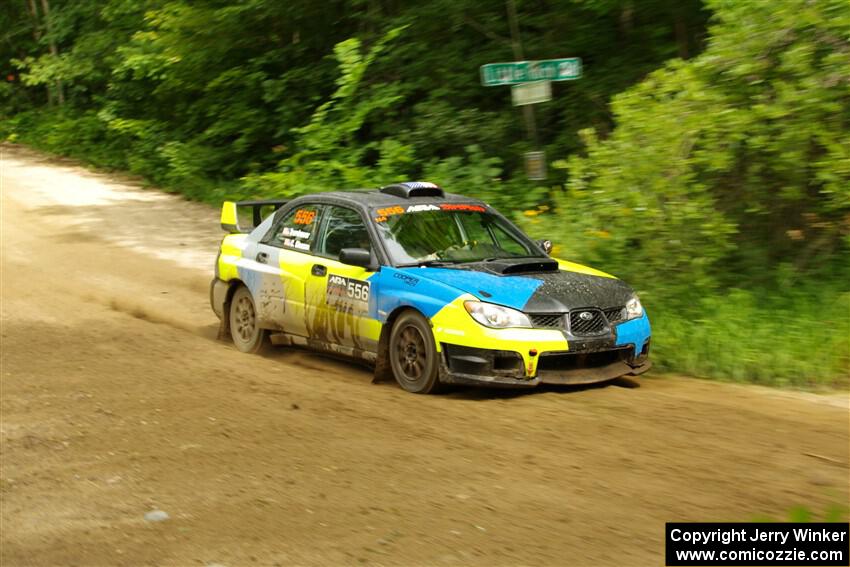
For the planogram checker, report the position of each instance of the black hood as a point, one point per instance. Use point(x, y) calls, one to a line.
point(533, 285)
point(562, 291)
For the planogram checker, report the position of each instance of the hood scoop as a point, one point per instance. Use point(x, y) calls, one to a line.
point(509, 266)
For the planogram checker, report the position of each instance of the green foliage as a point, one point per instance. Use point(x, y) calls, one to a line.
point(724, 195)
point(328, 154)
point(82, 136)
point(833, 513)
point(800, 338)
point(733, 163)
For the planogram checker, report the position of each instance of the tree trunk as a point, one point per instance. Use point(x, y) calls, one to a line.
point(680, 29)
point(627, 18)
point(54, 51)
point(32, 8)
point(519, 55)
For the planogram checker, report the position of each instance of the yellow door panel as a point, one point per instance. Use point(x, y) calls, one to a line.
point(337, 298)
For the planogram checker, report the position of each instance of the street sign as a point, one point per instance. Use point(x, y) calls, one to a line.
point(496, 74)
point(535, 165)
point(531, 93)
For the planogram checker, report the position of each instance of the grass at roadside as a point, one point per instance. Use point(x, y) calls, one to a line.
point(834, 513)
point(799, 339)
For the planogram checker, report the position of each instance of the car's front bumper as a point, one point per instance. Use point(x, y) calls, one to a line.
point(473, 354)
point(486, 367)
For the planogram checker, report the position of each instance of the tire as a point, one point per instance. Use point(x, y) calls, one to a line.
point(246, 335)
point(413, 354)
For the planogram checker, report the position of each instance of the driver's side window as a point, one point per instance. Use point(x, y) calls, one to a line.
point(344, 228)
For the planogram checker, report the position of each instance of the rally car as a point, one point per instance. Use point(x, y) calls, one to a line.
point(430, 287)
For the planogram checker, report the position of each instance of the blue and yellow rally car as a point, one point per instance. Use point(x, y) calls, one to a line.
point(430, 287)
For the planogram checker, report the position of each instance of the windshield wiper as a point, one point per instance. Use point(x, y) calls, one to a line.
point(429, 263)
point(495, 258)
point(435, 263)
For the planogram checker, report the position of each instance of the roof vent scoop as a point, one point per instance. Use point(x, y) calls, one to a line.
point(413, 189)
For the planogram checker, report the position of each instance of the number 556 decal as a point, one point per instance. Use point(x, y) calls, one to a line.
point(347, 294)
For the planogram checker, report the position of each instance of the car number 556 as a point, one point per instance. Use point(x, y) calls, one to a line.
point(358, 291)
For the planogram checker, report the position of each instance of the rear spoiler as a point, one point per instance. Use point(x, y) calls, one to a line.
point(231, 211)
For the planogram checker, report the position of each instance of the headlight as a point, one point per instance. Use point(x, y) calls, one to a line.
point(633, 308)
point(496, 316)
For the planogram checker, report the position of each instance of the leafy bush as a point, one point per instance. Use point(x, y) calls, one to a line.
point(726, 166)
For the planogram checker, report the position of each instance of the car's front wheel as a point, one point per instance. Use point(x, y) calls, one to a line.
point(246, 334)
point(413, 354)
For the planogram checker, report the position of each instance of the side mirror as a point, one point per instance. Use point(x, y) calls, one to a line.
point(357, 257)
point(546, 245)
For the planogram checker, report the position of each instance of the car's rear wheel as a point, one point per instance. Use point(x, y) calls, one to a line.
point(246, 334)
point(413, 354)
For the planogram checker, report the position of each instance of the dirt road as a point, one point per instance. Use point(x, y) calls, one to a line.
point(117, 400)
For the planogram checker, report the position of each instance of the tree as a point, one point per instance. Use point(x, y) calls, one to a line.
point(734, 162)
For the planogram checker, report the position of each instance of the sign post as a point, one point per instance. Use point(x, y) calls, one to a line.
point(535, 165)
point(531, 83)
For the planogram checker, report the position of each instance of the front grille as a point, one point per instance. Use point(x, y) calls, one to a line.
point(615, 314)
point(580, 327)
point(585, 322)
point(548, 321)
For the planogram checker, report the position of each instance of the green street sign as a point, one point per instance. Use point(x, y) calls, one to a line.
point(496, 74)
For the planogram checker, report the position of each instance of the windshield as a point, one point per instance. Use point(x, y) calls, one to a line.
point(449, 233)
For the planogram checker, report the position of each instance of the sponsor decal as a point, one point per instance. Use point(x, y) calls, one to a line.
point(409, 280)
point(462, 207)
point(295, 233)
point(296, 244)
point(421, 208)
point(347, 294)
point(382, 214)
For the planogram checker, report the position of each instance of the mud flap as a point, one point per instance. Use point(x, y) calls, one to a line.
point(223, 329)
point(220, 303)
point(383, 370)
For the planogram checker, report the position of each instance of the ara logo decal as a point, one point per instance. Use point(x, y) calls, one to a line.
point(421, 208)
point(409, 280)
